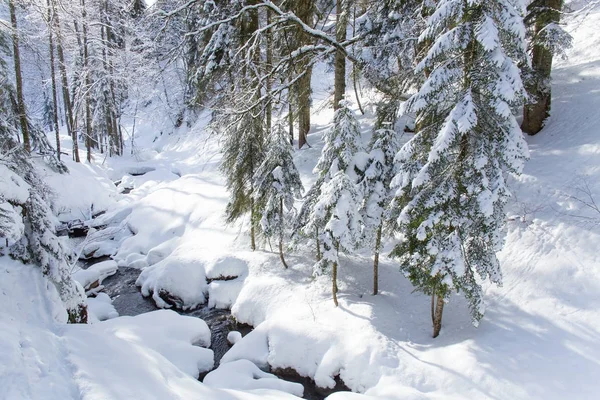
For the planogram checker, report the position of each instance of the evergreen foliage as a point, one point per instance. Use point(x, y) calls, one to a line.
point(277, 185)
point(451, 180)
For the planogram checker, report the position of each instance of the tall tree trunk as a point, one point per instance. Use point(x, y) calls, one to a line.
point(376, 260)
point(53, 79)
point(65, 84)
point(281, 236)
point(18, 77)
point(534, 114)
point(304, 9)
point(291, 122)
point(88, 114)
point(269, 81)
point(341, 24)
point(437, 314)
point(334, 287)
point(318, 244)
point(252, 230)
point(334, 275)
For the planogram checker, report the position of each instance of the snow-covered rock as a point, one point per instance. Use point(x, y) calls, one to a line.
point(100, 308)
point(95, 274)
point(243, 374)
point(233, 337)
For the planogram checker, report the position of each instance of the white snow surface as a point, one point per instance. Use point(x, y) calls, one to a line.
point(100, 308)
point(243, 374)
point(97, 272)
point(538, 339)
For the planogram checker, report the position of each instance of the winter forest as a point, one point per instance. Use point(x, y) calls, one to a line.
point(327, 199)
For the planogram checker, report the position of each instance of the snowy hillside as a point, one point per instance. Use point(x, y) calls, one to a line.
point(162, 213)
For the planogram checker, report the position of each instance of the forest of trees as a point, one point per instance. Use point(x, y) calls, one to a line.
point(464, 72)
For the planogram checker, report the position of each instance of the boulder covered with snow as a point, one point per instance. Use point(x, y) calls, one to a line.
point(100, 308)
point(244, 375)
point(178, 338)
point(93, 276)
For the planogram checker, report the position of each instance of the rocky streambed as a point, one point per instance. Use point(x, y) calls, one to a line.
point(128, 300)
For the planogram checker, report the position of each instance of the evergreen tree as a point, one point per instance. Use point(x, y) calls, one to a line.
point(376, 192)
point(451, 180)
point(243, 148)
point(277, 185)
point(334, 218)
point(27, 223)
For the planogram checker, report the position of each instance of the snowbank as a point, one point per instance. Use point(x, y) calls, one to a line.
point(244, 375)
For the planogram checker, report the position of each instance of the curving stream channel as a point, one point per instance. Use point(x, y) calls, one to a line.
point(128, 300)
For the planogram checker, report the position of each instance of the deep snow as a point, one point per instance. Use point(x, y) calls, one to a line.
point(538, 339)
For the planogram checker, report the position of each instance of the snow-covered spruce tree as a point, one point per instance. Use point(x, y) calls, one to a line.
point(27, 226)
point(376, 192)
point(243, 152)
point(451, 180)
point(335, 217)
point(276, 185)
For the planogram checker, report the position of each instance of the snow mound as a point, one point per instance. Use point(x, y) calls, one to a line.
point(244, 375)
point(178, 280)
point(233, 337)
point(174, 336)
point(100, 308)
point(222, 294)
point(226, 267)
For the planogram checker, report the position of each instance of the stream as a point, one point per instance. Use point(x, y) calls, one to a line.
point(128, 300)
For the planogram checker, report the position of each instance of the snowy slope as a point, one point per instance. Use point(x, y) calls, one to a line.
point(538, 339)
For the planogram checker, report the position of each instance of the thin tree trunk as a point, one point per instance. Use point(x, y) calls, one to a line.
point(88, 114)
point(355, 70)
point(65, 84)
point(269, 82)
point(19, 77)
point(304, 9)
point(376, 261)
point(341, 23)
point(318, 245)
point(53, 79)
point(437, 316)
point(291, 122)
point(281, 236)
point(534, 114)
point(252, 230)
point(334, 287)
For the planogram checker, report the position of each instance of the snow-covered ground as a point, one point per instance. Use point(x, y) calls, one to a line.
point(538, 340)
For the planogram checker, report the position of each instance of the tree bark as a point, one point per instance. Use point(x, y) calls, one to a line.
point(19, 78)
point(318, 245)
point(53, 79)
point(281, 236)
point(304, 9)
point(437, 315)
point(376, 260)
point(269, 80)
point(88, 114)
point(534, 114)
point(65, 84)
point(334, 287)
point(341, 23)
point(252, 230)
